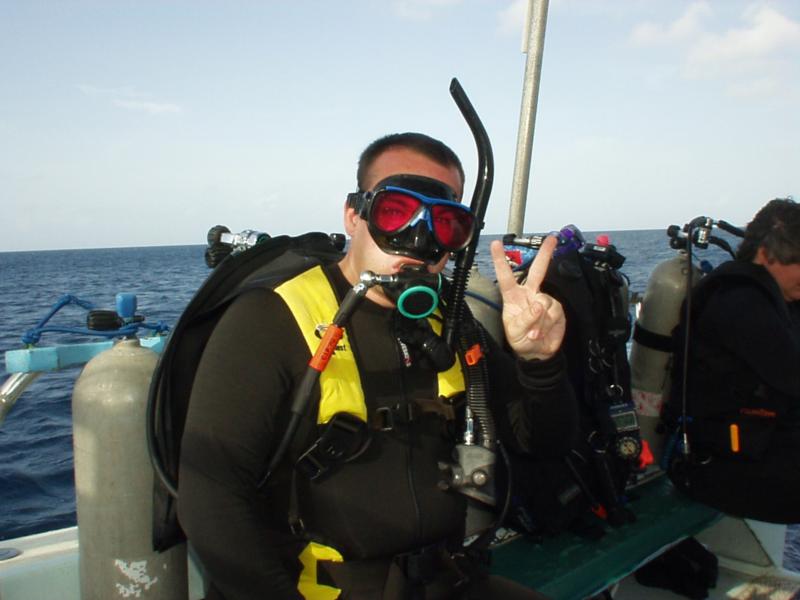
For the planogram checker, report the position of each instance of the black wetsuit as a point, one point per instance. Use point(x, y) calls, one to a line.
point(384, 503)
point(744, 372)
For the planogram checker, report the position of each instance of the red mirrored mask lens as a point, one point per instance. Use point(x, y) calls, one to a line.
point(451, 226)
point(392, 211)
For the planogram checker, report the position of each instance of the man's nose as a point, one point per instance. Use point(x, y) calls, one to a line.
point(422, 237)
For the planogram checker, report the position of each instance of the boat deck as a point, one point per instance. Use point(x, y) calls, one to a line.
point(570, 567)
point(566, 567)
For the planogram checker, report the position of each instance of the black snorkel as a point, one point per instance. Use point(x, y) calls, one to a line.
point(474, 459)
point(480, 201)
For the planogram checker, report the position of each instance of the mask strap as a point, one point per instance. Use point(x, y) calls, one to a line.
point(357, 201)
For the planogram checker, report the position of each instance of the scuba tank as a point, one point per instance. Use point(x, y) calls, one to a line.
point(114, 481)
point(485, 303)
point(651, 350)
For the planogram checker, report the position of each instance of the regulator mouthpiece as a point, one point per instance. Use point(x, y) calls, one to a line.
point(415, 291)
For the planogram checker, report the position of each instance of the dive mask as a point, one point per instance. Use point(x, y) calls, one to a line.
point(415, 216)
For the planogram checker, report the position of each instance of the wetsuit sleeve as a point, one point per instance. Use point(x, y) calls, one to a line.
point(237, 409)
point(533, 403)
point(746, 323)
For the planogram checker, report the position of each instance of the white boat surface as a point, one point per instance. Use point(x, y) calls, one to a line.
point(750, 557)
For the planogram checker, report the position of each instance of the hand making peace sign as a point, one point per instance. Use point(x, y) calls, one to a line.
point(534, 322)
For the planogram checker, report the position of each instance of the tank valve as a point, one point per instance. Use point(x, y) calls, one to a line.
point(221, 243)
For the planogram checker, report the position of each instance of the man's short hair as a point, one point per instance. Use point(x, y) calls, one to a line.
point(432, 148)
point(776, 228)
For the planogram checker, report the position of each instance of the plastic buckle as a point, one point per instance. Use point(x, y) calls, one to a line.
point(342, 438)
point(473, 355)
point(385, 417)
point(310, 465)
point(421, 566)
point(388, 417)
point(297, 527)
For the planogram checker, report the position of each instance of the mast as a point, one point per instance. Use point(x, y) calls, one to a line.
point(534, 47)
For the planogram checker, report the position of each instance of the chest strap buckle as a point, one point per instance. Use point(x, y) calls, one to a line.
point(387, 418)
point(342, 439)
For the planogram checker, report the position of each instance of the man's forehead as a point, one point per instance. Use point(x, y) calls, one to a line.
point(433, 188)
point(405, 161)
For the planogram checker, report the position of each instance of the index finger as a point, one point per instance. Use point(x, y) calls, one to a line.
point(539, 266)
point(505, 277)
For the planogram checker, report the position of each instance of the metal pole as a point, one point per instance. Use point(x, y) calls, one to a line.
point(12, 389)
point(537, 22)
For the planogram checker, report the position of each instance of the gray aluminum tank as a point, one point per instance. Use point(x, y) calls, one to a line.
point(114, 482)
point(651, 367)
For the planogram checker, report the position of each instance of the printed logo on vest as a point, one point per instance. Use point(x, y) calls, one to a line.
point(320, 330)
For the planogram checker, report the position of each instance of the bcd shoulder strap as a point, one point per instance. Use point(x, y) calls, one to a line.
point(264, 265)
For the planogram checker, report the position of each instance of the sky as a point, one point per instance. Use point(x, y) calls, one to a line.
point(139, 123)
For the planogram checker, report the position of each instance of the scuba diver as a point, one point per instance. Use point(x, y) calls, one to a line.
point(364, 503)
point(742, 386)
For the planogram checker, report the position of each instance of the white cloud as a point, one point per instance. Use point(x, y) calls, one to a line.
point(766, 33)
point(762, 87)
point(685, 27)
point(130, 99)
point(153, 108)
point(749, 58)
point(123, 92)
point(421, 10)
point(512, 18)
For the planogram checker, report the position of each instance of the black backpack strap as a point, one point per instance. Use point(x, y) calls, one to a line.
point(264, 265)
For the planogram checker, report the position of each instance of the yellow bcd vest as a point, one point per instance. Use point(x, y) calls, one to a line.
point(313, 304)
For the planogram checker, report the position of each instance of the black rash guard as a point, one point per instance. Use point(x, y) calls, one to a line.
point(385, 502)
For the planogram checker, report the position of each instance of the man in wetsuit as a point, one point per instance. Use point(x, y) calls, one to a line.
point(382, 522)
point(743, 387)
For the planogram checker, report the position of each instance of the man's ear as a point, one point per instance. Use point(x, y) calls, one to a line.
point(351, 219)
point(762, 257)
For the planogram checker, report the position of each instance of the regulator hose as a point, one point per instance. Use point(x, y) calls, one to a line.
point(154, 415)
point(732, 229)
point(687, 307)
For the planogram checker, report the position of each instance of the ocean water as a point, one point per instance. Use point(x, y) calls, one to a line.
point(36, 481)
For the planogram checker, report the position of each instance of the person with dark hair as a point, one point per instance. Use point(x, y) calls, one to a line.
point(367, 501)
point(743, 379)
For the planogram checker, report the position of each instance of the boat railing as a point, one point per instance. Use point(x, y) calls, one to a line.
point(26, 364)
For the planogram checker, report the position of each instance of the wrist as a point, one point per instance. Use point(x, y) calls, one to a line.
point(537, 373)
point(535, 356)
